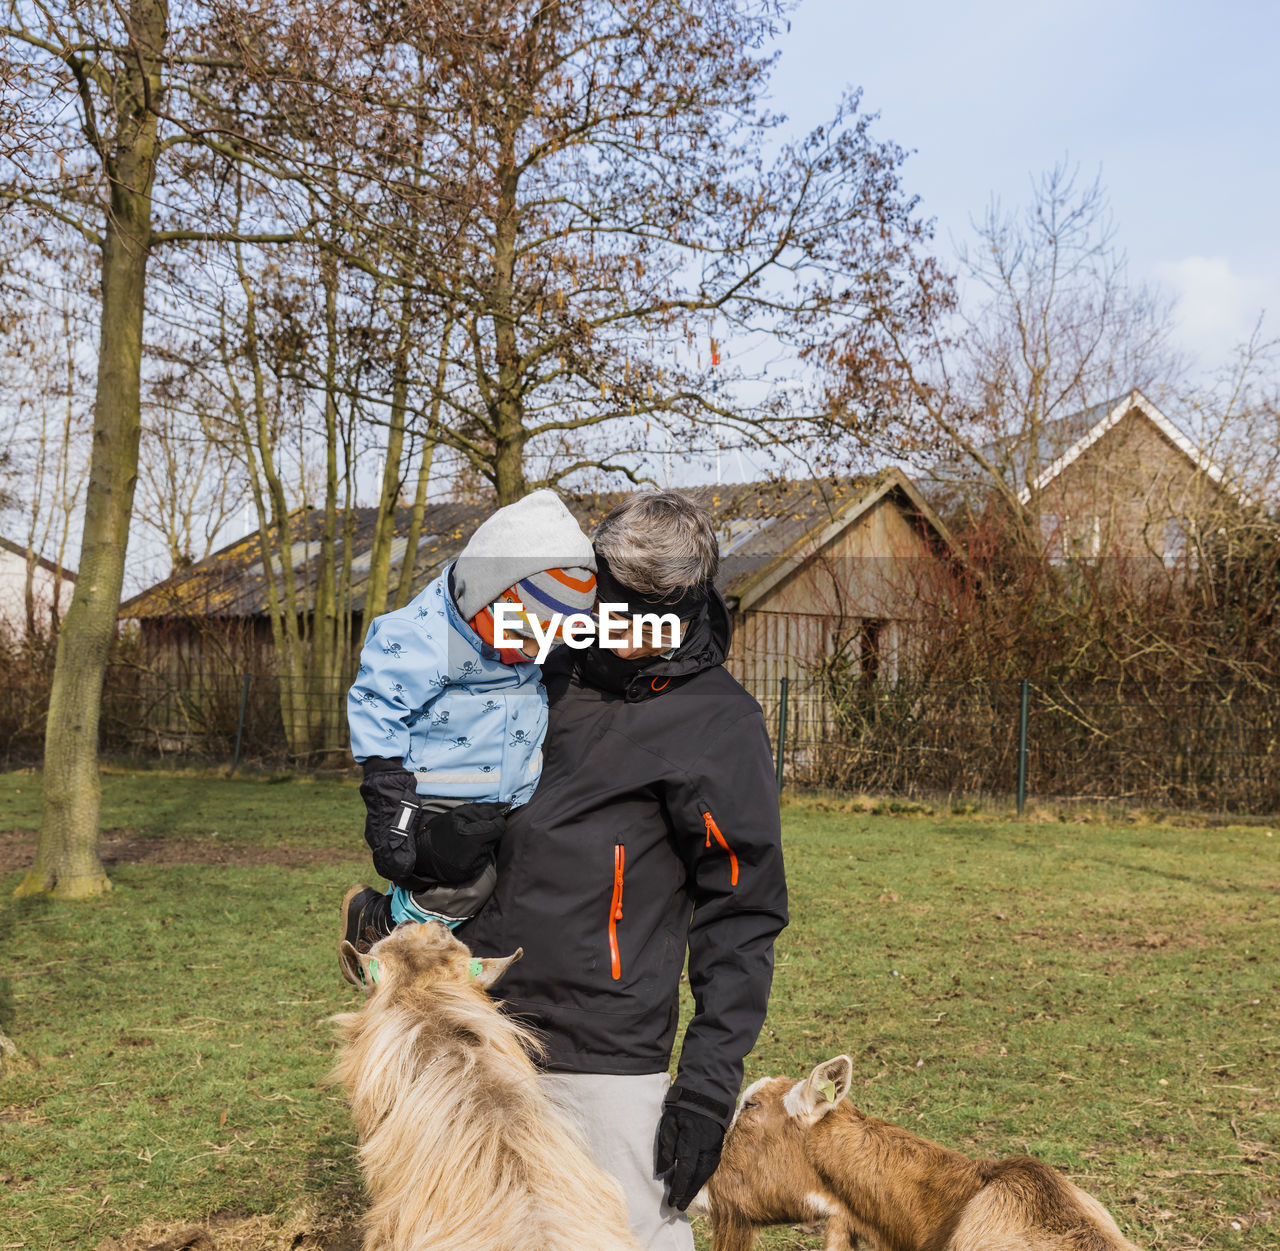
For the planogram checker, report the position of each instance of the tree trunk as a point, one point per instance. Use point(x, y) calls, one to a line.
point(375, 600)
point(273, 516)
point(507, 408)
point(336, 733)
point(404, 588)
point(322, 694)
point(29, 592)
point(508, 464)
point(67, 863)
point(413, 536)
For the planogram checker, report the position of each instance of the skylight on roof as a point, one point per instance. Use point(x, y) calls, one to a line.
point(734, 533)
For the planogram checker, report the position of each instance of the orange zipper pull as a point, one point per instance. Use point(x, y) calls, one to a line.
point(615, 910)
point(713, 828)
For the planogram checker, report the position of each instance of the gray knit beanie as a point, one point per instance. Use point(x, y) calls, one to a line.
point(531, 536)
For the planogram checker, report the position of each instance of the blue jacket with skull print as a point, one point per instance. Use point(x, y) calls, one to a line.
point(431, 693)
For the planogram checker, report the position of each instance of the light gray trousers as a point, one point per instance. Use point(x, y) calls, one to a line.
point(618, 1117)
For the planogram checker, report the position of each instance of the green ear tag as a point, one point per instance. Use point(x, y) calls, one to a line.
point(475, 969)
point(828, 1088)
point(372, 965)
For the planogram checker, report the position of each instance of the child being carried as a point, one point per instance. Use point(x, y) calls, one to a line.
point(448, 726)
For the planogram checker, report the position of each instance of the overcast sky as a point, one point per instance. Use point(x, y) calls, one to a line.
point(1176, 103)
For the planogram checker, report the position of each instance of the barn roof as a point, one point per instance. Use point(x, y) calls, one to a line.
point(765, 529)
point(17, 549)
point(768, 530)
point(232, 583)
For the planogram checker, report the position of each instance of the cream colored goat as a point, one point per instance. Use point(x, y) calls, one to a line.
point(798, 1151)
point(460, 1149)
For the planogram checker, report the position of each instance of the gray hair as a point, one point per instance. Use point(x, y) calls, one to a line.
point(658, 543)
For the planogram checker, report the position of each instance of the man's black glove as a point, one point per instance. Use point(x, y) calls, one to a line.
point(392, 809)
point(689, 1145)
point(453, 846)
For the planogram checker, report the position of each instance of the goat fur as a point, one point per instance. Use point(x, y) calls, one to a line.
point(799, 1150)
point(459, 1147)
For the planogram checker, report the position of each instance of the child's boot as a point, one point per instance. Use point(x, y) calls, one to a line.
point(366, 917)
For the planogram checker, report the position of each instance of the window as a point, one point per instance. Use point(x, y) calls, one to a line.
point(1179, 542)
point(1053, 536)
point(870, 636)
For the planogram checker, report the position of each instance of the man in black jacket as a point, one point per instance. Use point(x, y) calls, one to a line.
point(653, 832)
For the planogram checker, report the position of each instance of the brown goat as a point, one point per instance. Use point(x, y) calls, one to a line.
point(459, 1146)
point(797, 1151)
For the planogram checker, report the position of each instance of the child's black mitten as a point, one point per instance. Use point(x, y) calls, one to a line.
point(453, 846)
point(393, 810)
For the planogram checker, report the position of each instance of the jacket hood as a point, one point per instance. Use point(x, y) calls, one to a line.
point(706, 645)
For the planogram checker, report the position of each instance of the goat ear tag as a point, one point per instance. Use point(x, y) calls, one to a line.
point(828, 1088)
point(372, 965)
point(474, 969)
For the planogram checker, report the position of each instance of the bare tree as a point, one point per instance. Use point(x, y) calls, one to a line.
point(102, 80)
point(43, 351)
point(281, 349)
point(600, 213)
point(1042, 324)
point(190, 483)
point(119, 93)
point(1237, 418)
point(563, 209)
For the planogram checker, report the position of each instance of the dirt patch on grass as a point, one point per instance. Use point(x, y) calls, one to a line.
point(305, 1231)
point(18, 849)
point(1147, 940)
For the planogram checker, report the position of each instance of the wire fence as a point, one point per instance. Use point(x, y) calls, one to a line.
point(1205, 747)
point(194, 718)
point(1186, 746)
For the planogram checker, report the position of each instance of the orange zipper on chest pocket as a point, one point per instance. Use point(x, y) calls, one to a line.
point(615, 910)
point(713, 831)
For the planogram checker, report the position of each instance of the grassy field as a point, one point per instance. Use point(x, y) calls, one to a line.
point(1102, 995)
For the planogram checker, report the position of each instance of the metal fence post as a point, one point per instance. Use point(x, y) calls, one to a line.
point(1024, 702)
point(782, 728)
point(244, 704)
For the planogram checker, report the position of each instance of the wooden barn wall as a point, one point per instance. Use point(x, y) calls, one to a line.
point(879, 569)
point(189, 650)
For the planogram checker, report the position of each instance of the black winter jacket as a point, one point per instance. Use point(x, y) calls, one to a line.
point(654, 828)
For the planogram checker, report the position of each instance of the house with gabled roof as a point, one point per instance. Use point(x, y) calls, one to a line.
point(23, 571)
point(1131, 485)
point(808, 568)
point(1119, 480)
